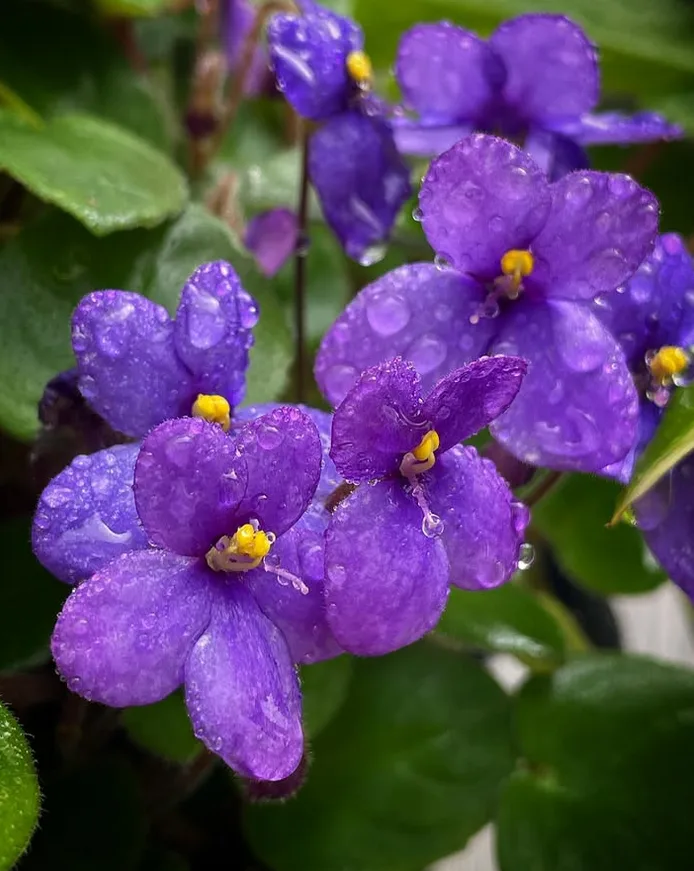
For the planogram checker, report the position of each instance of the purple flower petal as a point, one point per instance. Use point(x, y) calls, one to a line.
point(299, 614)
point(272, 238)
point(86, 516)
point(309, 55)
point(281, 456)
point(124, 635)
point(578, 407)
point(555, 154)
point(483, 524)
point(188, 482)
point(238, 17)
point(649, 418)
point(417, 312)
point(445, 73)
point(481, 199)
point(423, 140)
point(607, 128)
point(601, 226)
point(551, 66)
point(471, 397)
point(386, 583)
point(242, 690)
point(129, 371)
point(213, 330)
point(360, 178)
point(378, 422)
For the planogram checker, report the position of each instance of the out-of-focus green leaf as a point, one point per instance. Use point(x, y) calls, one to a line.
point(509, 619)
point(133, 8)
point(30, 598)
point(407, 771)
point(19, 791)
point(163, 728)
point(104, 176)
point(608, 779)
point(573, 517)
point(324, 687)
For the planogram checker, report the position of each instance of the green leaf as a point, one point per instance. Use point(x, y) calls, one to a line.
point(573, 517)
point(51, 265)
point(103, 175)
point(19, 791)
point(674, 439)
point(608, 779)
point(93, 819)
point(30, 597)
point(509, 619)
point(405, 774)
point(133, 8)
point(324, 688)
point(163, 728)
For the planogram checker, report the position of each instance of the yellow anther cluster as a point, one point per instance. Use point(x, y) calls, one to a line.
point(517, 265)
point(359, 67)
point(245, 550)
point(214, 409)
point(251, 542)
point(424, 452)
point(669, 361)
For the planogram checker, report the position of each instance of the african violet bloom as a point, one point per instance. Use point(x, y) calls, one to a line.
point(137, 367)
point(188, 582)
point(353, 164)
point(437, 513)
point(523, 259)
point(272, 237)
point(237, 20)
point(536, 77)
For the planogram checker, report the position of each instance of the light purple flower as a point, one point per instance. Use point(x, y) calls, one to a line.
point(272, 238)
point(536, 77)
point(519, 260)
point(138, 367)
point(427, 512)
point(359, 176)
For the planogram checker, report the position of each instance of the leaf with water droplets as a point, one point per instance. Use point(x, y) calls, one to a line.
point(19, 791)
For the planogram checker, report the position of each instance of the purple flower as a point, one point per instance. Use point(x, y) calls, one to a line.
point(354, 165)
point(272, 238)
point(536, 77)
point(138, 367)
point(437, 513)
point(194, 581)
point(238, 18)
point(519, 260)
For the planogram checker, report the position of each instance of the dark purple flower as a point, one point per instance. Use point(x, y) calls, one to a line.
point(428, 512)
point(536, 77)
point(272, 238)
point(138, 367)
point(359, 176)
point(519, 260)
point(198, 585)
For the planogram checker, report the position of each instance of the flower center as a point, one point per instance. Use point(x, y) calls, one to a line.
point(359, 67)
point(214, 409)
point(516, 264)
point(241, 552)
point(667, 367)
point(421, 458)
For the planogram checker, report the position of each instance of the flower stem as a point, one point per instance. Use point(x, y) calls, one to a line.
point(546, 484)
point(300, 256)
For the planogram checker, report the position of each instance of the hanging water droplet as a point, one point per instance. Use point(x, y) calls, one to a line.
point(303, 245)
point(526, 556)
point(372, 254)
point(432, 525)
point(441, 263)
point(417, 214)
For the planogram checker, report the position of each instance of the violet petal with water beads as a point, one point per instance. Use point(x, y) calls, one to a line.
point(391, 545)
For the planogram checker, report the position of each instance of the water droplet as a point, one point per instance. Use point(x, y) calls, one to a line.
point(372, 254)
point(338, 380)
point(303, 246)
point(432, 525)
point(387, 315)
point(427, 353)
point(526, 556)
point(269, 437)
point(441, 263)
point(417, 215)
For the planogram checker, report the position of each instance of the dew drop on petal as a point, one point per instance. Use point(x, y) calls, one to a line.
point(417, 215)
point(432, 525)
point(372, 254)
point(387, 315)
point(441, 263)
point(526, 556)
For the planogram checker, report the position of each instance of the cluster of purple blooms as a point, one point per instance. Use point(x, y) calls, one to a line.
point(223, 545)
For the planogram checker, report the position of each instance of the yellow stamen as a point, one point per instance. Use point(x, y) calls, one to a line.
point(668, 362)
point(517, 265)
point(245, 550)
point(214, 409)
point(359, 67)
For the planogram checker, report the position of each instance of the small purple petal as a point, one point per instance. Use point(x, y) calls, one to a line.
point(124, 635)
point(480, 199)
point(213, 330)
point(188, 483)
point(281, 456)
point(129, 371)
point(601, 227)
point(417, 312)
point(578, 408)
point(378, 422)
point(649, 418)
point(442, 72)
point(272, 238)
point(556, 155)
point(551, 66)
point(483, 524)
point(423, 140)
point(86, 516)
point(470, 398)
point(386, 583)
point(309, 55)
point(360, 178)
point(238, 17)
point(242, 690)
point(607, 128)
